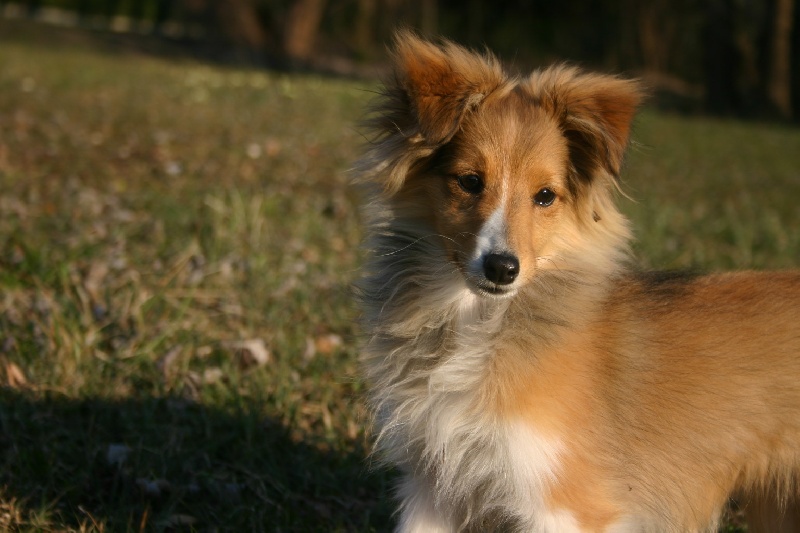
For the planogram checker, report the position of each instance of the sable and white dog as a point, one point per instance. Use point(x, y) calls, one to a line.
point(521, 374)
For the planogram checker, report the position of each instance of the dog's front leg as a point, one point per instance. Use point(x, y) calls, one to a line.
point(418, 513)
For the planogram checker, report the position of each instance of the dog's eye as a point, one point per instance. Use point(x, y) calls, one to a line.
point(472, 183)
point(545, 197)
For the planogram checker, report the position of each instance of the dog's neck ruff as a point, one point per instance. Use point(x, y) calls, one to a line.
point(431, 340)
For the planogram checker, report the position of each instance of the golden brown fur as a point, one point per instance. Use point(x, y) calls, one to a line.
point(522, 376)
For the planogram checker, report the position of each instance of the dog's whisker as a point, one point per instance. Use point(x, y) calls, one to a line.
point(417, 241)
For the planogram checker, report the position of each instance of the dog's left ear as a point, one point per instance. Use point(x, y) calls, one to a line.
point(595, 112)
point(441, 83)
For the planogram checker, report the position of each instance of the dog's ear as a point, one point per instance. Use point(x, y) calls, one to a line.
point(435, 86)
point(595, 112)
point(432, 89)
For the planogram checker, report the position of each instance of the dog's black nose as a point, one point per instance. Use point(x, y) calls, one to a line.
point(501, 268)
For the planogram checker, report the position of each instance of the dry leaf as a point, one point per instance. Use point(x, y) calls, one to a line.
point(212, 375)
point(93, 281)
point(15, 377)
point(252, 352)
point(167, 361)
point(327, 344)
point(116, 454)
point(203, 351)
point(310, 351)
point(153, 488)
point(272, 146)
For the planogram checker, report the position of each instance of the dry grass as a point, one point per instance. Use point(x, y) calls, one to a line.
point(177, 241)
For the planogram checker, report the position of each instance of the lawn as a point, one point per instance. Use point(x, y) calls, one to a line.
point(177, 241)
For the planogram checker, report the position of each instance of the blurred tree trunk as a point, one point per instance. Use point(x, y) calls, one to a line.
point(475, 21)
point(302, 27)
point(429, 18)
point(795, 65)
point(162, 15)
point(365, 22)
point(657, 30)
point(391, 17)
point(626, 48)
point(722, 58)
point(239, 21)
point(779, 79)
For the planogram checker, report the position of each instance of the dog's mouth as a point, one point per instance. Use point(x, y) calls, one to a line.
point(487, 289)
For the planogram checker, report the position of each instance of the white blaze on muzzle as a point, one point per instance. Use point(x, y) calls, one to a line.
point(492, 237)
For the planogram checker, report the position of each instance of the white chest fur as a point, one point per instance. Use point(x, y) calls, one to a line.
point(471, 463)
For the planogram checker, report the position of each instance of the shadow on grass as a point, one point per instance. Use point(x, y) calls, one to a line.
point(168, 464)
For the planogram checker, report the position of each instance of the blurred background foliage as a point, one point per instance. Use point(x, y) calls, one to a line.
point(726, 57)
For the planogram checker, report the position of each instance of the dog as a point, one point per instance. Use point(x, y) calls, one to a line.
point(522, 374)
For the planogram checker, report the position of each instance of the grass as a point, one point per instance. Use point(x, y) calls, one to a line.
point(177, 242)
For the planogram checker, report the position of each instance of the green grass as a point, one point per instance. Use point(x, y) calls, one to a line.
point(155, 214)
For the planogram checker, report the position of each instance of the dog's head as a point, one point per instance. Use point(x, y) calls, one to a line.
point(514, 174)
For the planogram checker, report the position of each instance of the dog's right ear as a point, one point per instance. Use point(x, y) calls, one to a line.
point(432, 88)
point(440, 84)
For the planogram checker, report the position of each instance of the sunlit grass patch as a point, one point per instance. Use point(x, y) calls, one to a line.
point(713, 193)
